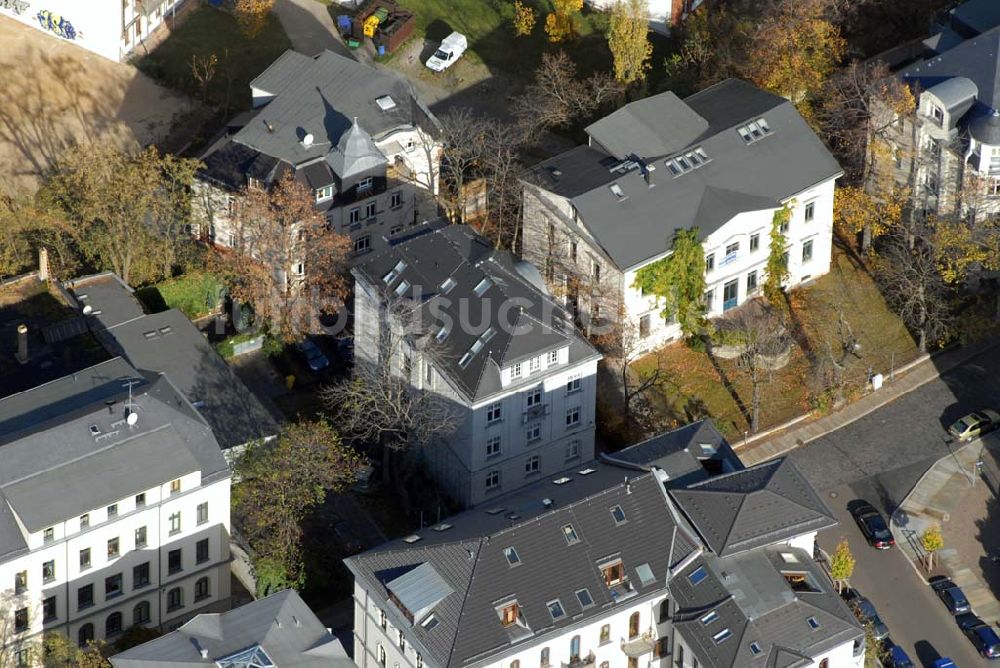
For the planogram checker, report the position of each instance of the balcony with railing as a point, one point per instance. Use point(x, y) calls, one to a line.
point(587, 661)
point(636, 647)
point(729, 258)
point(729, 303)
point(536, 412)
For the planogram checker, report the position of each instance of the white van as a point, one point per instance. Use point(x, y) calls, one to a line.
point(451, 49)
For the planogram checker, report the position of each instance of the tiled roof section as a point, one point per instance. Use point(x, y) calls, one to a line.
point(676, 452)
point(282, 625)
point(765, 504)
point(636, 225)
point(535, 325)
point(549, 567)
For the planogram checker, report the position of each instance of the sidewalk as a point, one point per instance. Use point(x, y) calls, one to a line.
point(309, 27)
point(771, 445)
point(933, 500)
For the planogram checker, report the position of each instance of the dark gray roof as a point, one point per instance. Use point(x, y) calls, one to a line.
point(758, 506)
point(986, 128)
point(230, 163)
point(356, 153)
point(320, 96)
point(752, 599)
point(977, 15)
point(111, 300)
point(976, 59)
point(738, 176)
point(475, 568)
point(170, 344)
point(58, 449)
point(458, 253)
point(653, 127)
point(281, 625)
point(679, 452)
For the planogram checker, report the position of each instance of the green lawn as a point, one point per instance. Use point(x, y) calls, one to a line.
point(207, 31)
point(701, 388)
point(195, 294)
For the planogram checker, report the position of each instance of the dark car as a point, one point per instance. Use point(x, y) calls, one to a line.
point(866, 614)
point(951, 595)
point(315, 358)
point(872, 525)
point(982, 635)
point(897, 657)
point(944, 662)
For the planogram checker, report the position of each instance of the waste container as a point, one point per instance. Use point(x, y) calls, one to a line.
point(381, 50)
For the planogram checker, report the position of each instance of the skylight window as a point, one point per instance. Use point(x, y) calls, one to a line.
point(617, 191)
point(618, 515)
point(466, 358)
point(494, 511)
point(697, 575)
point(755, 648)
point(561, 481)
point(385, 103)
point(570, 533)
point(482, 286)
point(556, 610)
point(512, 557)
point(444, 526)
point(813, 623)
point(447, 285)
point(721, 635)
point(754, 130)
point(394, 274)
point(674, 168)
point(710, 617)
point(789, 558)
point(442, 334)
point(412, 538)
point(585, 599)
point(645, 574)
point(401, 289)
point(587, 471)
point(429, 622)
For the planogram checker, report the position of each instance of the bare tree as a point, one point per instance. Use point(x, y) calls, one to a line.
point(462, 139)
point(912, 284)
point(501, 164)
point(832, 365)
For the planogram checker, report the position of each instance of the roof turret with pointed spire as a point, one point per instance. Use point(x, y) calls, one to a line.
point(355, 153)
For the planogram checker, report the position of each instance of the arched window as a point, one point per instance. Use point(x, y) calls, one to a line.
point(85, 635)
point(515, 664)
point(201, 589)
point(574, 648)
point(664, 610)
point(175, 599)
point(113, 624)
point(140, 613)
point(633, 626)
point(544, 661)
point(824, 663)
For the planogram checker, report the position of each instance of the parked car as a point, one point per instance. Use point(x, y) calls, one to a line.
point(872, 524)
point(865, 611)
point(897, 658)
point(944, 662)
point(982, 635)
point(951, 595)
point(975, 424)
point(315, 358)
point(451, 49)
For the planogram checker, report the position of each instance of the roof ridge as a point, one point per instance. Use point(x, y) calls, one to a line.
point(776, 463)
point(465, 599)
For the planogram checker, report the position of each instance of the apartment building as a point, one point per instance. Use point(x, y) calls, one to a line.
point(721, 161)
point(663, 14)
point(277, 630)
point(109, 28)
point(115, 508)
point(356, 136)
point(518, 379)
point(614, 565)
point(948, 151)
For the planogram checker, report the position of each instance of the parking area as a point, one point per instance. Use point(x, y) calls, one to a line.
point(56, 94)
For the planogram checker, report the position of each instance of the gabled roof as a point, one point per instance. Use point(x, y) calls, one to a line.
point(280, 628)
point(637, 224)
point(548, 567)
point(678, 452)
point(535, 326)
point(758, 506)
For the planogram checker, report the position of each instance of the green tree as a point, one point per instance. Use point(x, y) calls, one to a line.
point(876, 651)
point(280, 482)
point(776, 269)
point(628, 39)
point(932, 541)
point(841, 564)
point(678, 280)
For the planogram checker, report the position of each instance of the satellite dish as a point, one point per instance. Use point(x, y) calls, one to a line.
point(87, 309)
point(132, 419)
point(307, 140)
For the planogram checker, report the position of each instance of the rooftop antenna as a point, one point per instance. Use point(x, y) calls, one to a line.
point(131, 417)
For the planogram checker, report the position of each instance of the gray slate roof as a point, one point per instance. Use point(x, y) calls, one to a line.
point(469, 557)
point(977, 59)
point(977, 15)
point(170, 344)
point(739, 177)
point(678, 452)
point(457, 252)
point(281, 624)
point(758, 506)
point(56, 449)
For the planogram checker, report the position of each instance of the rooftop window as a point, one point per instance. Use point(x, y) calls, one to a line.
point(394, 273)
point(509, 614)
point(618, 515)
point(710, 617)
point(697, 575)
point(444, 526)
point(789, 558)
point(512, 557)
point(402, 288)
point(555, 609)
point(429, 622)
point(385, 103)
point(585, 599)
point(442, 334)
point(561, 481)
point(801, 581)
point(448, 285)
point(587, 471)
point(412, 538)
point(813, 623)
point(755, 648)
point(617, 191)
point(613, 573)
point(721, 635)
point(685, 162)
point(570, 533)
point(754, 130)
point(645, 574)
point(482, 286)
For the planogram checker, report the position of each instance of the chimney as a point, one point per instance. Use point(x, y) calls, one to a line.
point(647, 172)
point(22, 344)
point(204, 653)
point(43, 264)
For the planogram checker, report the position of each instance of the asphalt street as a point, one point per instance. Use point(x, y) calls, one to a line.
point(879, 458)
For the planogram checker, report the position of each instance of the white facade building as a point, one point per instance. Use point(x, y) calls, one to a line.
point(513, 374)
point(585, 571)
point(110, 28)
point(721, 162)
point(115, 509)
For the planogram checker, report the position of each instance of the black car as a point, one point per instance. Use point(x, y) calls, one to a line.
point(865, 611)
point(872, 524)
point(951, 595)
point(982, 635)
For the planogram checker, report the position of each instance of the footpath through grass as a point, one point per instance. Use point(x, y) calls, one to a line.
point(211, 31)
point(700, 387)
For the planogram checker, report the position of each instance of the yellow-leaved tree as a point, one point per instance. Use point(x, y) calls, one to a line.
point(560, 24)
point(871, 215)
point(628, 39)
point(524, 19)
point(252, 15)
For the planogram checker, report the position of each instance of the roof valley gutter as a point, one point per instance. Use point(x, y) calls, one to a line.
point(465, 598)
point(697, 542)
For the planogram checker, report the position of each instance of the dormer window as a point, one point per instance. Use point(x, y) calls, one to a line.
point(324, 193)
point(614, 573)
point(754, 130)
point(937, 113)
point(366, 184)
point(509, 614)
